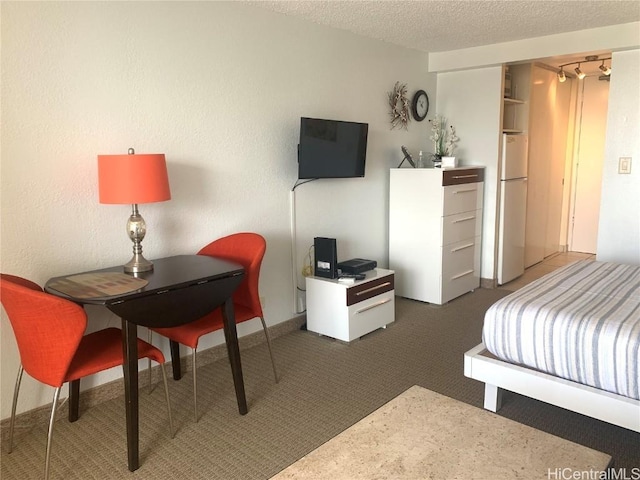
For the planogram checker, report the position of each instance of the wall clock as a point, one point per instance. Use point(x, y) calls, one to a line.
point(420, 105)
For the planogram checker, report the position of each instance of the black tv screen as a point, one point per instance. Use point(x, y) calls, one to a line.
point(331, 148)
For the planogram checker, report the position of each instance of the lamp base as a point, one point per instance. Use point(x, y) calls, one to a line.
point(138, 264)
point(137, 228)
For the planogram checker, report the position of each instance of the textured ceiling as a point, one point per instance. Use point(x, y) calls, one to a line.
point(435, 25)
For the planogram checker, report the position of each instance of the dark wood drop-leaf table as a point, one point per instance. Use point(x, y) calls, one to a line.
point(180, 289)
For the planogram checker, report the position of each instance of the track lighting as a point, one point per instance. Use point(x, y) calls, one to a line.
point(561, 76)
point(579, 73)
point(606, 70)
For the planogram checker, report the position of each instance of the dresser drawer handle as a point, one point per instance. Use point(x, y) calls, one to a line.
point(453, 250)
point(377, 304)
point(464, 219)
point(470, 190)
point(460, 275)
point(373, 289)
point(465, 176)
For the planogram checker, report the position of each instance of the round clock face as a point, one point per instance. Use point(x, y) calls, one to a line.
point(420, 105)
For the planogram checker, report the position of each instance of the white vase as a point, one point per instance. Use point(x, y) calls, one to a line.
point(449, 162)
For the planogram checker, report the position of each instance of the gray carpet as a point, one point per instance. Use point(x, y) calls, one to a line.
point(325, 387)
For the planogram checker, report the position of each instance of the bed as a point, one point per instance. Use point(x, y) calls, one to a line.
point(570, 338)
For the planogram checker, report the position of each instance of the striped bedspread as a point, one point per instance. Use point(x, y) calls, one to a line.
point(580, 322)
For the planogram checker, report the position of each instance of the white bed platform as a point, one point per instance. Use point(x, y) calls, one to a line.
point(498, 374)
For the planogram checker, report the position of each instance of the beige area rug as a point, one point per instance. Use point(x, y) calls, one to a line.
point(419, 434)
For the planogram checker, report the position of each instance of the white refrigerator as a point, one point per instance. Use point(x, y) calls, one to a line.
point(513, 207)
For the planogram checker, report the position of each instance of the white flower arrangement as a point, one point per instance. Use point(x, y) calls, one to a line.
point(444, 139)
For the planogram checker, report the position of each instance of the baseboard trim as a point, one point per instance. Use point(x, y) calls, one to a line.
point(488, 283)
point(94, 396)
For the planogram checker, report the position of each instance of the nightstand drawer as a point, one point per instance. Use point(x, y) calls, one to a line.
point(371, 314)
point(366, 290)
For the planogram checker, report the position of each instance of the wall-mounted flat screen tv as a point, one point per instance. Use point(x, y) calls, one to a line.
point(331, 148)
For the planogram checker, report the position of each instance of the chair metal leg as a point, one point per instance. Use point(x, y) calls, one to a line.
point(54, 407)
point(195, 385)
point(166, 394)
point(273, 360)
point(13, 407)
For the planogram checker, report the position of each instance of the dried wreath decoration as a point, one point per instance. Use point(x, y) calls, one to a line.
point(399, 106)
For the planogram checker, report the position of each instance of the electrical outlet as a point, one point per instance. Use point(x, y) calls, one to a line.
point(624, 165)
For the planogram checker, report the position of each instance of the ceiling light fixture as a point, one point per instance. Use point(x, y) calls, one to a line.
point(561, 76)
point(606, 70)
point(589, 58)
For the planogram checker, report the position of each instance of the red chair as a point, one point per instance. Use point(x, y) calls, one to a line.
point(49, 331)
point(248, 250)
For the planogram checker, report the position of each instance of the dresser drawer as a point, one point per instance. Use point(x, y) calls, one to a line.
point(462, 175)
point(366, 290)
point(461, 226)
point(460, 268)
point(457, 259)
point(461, 198)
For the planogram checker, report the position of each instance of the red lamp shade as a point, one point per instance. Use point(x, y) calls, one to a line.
point(133, 178)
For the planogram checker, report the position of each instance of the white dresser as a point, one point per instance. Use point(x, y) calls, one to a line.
point(435, 225)
point(348, 311)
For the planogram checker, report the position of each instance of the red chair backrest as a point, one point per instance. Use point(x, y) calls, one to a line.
point(48, 329)
point(248, 250)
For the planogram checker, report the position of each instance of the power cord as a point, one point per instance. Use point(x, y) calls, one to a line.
point(307, 269)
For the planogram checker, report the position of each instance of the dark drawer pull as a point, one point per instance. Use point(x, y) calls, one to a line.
point(372, 289)
point(377, 304)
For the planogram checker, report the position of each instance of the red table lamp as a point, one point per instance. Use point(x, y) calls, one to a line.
point(133, 179)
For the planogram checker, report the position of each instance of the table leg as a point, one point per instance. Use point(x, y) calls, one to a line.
point(74, 400)
point(130, 367)
point(231, 338)
point(174, 347)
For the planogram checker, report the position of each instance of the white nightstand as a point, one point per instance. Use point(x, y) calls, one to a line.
point(348, 311)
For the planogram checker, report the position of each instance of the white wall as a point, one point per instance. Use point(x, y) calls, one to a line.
point(590, 136)
point(219, 87)
point(619, 228)
point(471, 100)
